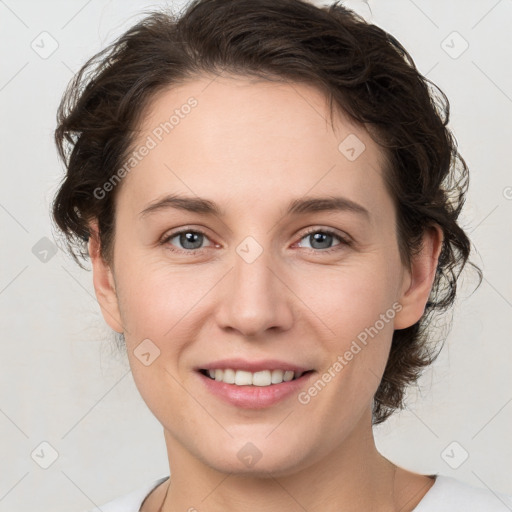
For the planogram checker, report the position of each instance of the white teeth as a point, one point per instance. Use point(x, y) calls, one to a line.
point(229, 376)
point(288, 375)
point(243, 378)
point(263, 378)
point(277, 376)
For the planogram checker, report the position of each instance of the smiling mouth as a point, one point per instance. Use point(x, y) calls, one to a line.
point(261, 378)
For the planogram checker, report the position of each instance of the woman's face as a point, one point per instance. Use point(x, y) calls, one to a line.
point(259, 283)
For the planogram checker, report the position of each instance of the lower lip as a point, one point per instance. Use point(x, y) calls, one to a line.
point(254, 397)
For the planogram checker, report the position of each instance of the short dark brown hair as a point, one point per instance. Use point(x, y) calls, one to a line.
point(361, 68)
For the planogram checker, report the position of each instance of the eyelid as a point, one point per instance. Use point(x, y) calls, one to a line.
point(186, 229)
point(344, 239)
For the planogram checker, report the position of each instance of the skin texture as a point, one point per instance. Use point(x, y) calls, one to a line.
point(251, 147)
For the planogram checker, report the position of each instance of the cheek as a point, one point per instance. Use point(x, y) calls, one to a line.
point(160, 388)
point(354, 309)
point(157, 306)
point(349, 298)
point(341, 302)
point(155, 296)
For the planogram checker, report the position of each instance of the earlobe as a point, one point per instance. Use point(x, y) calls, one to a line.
point(419, 280)
point(104, 283)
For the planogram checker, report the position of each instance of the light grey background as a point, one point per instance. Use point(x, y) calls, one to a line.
point(60, 381)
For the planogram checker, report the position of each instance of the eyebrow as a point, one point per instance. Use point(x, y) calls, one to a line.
point(295, 207)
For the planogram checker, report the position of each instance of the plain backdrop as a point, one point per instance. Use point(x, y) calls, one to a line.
point(74, 430)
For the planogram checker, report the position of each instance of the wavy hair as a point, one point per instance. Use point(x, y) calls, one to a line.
point(362, 69)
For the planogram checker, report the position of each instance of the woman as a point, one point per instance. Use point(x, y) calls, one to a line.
point(269, 196)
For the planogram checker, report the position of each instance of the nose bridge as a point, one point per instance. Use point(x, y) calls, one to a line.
point(256, 298)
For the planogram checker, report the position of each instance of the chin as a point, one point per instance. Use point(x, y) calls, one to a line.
point(259, 459)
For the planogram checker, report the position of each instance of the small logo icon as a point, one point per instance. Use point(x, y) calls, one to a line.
point(454, 455)
point(454, 45)
point(44, 250)
point(351, 147)
point(44, 455)
point(249, 455)
point(249, 249)
point(146, 352)
point(44, 45)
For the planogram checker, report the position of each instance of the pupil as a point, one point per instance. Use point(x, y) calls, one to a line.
point(317, 237)
point(187, 238)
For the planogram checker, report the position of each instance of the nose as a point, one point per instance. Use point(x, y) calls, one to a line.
point(255, 297)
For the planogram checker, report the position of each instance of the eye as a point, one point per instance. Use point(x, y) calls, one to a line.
point(321, 239)
point(190, 240)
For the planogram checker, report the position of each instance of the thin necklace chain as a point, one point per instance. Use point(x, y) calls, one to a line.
point(394, 504)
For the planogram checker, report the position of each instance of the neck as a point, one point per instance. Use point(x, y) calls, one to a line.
point(352, 477)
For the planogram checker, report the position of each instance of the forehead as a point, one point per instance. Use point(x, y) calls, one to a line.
point(239, 139)
point(237, 106)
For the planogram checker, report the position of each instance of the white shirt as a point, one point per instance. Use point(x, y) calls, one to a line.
point(446, 495)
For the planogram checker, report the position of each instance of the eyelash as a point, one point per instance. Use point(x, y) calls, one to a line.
point(343, 241)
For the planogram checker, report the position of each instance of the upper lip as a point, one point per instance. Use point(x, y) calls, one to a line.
point(253, 366)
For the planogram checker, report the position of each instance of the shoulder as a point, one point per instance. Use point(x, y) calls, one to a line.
point(130, 502)
point(451, 495)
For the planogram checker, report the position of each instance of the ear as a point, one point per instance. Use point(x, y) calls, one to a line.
point(103, 279)
point(418, 281)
